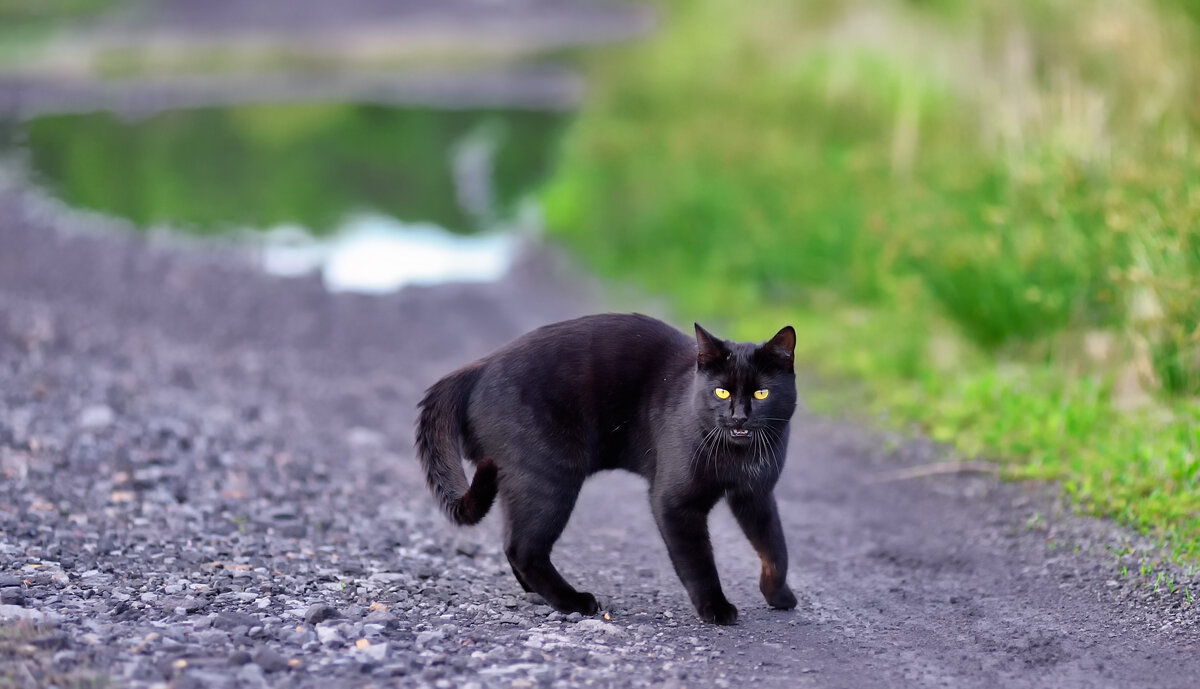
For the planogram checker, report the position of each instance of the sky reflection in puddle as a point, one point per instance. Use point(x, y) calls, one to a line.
point(378, 254)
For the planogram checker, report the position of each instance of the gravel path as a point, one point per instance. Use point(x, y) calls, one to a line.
point(208, 480)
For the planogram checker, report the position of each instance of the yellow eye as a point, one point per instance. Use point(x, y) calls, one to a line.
point(761, 394)
point(721, 393)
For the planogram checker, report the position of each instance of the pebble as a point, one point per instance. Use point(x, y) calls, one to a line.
point(12, 595)
point(269, 659)
point(239, 658)
point(329, 635)
point(319, 613)
point(376, 652)
point(212, 637)
point(252, 675)
point(96, 417)
point(15, 613)
point(424, 638)
point(230, 619)
point(593, 625)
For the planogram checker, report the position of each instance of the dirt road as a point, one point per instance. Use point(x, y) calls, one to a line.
point(209, 479)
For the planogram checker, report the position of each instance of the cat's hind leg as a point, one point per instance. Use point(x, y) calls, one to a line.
point(536, 509)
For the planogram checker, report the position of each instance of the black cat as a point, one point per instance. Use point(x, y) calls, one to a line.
point(700, 419)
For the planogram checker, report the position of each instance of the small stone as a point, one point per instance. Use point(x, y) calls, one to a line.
point(212, 637)
point(7, 580)
point(269, 659)
point(12, 595)
point(15, 613)
point(252, 675)
point(318, 613)
point(239, 658)
point(381, 617)
point(376, 652)
point(190, 606)
point(329, 635)
point(96, 417)
point(424, 638)
point(229, 620)
point(593, 625)
point(205, 622)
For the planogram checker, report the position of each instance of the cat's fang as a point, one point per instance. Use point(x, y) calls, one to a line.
point(739, 432)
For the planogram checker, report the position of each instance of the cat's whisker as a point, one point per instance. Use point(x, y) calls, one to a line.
point(700, 450)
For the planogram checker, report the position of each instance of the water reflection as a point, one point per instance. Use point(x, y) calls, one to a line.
point(215, 170)
point(378, 254)
point(373, 197)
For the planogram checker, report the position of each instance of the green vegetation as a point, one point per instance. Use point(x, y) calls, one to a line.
point(987, 211)
point(26, 23)
point(211, 170)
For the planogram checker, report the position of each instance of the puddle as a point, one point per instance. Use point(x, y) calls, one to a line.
point(378, 254)
point(372, 197)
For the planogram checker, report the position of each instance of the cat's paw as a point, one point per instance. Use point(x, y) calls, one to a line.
point(582, 602)
point(719, 611)
point(781, 598)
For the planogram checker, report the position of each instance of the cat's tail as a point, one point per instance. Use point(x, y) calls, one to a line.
point(441, 426)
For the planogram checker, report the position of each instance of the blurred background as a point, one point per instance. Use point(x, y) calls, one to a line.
point(382, 142)
point(981, 215)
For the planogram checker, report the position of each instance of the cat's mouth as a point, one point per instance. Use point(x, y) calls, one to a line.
point(739, 432)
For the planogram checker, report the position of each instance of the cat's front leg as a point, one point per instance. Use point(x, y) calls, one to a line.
point(759, 518)
point(683, 523)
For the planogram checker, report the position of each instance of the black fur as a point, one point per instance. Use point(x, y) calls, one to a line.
point(618, 392)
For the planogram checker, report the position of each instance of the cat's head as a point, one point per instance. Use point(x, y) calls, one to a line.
point(747, 391)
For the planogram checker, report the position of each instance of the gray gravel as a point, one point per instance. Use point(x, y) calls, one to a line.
point(209, 481)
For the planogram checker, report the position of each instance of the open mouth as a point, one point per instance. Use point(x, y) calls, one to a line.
point(739, 432)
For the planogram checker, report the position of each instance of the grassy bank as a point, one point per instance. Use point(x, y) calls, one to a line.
point(989, 212)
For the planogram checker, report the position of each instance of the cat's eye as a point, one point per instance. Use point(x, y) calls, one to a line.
point(721, 393)
point(761, 394)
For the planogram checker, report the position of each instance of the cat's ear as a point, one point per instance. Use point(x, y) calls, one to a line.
point(709, 349)
point(782, 347)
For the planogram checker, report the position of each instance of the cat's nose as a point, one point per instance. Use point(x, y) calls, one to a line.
point(739, 416)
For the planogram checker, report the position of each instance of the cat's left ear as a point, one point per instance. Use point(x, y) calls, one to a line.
point(782, 347)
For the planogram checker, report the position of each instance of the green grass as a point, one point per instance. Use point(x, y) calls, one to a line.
point(27, 24)
point(989, 212)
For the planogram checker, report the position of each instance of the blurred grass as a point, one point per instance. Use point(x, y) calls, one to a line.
point(987, 210)
point(24, 24)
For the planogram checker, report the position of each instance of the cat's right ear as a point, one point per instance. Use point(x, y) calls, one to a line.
point(709, 349)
